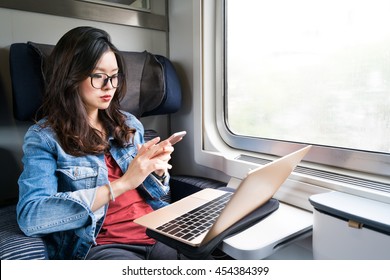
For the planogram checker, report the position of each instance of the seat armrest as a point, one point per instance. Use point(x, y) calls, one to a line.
point(182, 186)
point(14, 245)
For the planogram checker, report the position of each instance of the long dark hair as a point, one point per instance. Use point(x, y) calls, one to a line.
point(72, 60)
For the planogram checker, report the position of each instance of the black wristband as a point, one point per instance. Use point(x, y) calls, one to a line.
point(160, 178)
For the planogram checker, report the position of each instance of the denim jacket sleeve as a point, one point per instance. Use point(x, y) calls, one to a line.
point(153, 191)
point(42, 207)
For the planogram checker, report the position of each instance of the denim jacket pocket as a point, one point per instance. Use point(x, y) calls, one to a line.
point(77, 177)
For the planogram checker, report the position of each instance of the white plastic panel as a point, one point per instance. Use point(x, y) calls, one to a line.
point(283, 227)
point(334, 239)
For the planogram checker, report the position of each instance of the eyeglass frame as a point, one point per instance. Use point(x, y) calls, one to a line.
point(109, 78)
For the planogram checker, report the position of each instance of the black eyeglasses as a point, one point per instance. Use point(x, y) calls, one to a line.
point(100, 80)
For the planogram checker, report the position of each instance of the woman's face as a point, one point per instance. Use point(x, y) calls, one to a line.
point(93, 92)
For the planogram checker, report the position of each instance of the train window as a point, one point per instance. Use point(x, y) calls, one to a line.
point(315, 72)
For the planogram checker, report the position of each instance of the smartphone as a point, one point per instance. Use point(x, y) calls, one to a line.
point(176, 137)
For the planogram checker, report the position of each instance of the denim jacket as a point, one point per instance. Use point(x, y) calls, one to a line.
point(57, 190)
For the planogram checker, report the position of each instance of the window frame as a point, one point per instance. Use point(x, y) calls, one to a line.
point(348, 159)
point(217, 148)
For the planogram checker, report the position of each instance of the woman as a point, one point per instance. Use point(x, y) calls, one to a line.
point(85, 160)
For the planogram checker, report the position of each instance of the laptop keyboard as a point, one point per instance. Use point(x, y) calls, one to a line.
point(197, 221)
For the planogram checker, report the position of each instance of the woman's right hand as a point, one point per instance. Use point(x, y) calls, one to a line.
point(151, 156)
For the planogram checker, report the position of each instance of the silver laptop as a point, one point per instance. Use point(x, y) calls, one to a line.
point(198, 218)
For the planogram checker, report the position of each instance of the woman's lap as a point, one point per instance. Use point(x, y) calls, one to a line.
point(158, 251)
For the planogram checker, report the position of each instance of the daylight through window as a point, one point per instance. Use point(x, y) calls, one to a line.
point(308, 71)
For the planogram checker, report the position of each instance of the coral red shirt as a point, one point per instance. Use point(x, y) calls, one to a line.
point(118, 226)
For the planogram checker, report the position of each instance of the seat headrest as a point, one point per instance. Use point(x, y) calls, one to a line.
point(153, 86)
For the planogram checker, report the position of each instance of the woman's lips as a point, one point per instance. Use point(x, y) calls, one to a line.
point(106, 98)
